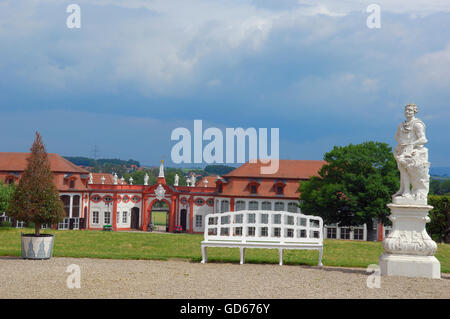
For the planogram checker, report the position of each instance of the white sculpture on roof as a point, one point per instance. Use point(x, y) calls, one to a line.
point(160, 192)
point(91, 178)
point(146, 177)
point(177, 178)
point(161, 169)
point(412, 160)
point(122, 180)
point(115, 179)
point(131, 180)
point(103, 179)
point(205, 182)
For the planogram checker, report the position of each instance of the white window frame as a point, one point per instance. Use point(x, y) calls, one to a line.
point(107, 215)
point(251, 205)
point(96, 217)
point(198, 221)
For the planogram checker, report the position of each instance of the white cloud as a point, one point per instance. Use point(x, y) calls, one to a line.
point(433, 69)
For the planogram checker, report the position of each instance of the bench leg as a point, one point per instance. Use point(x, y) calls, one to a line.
point(204, 255)
point(320, 257)
point(242, 251)
point(280, 252)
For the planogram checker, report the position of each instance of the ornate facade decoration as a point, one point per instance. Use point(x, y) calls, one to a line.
point(160, 192)
point(410, 243)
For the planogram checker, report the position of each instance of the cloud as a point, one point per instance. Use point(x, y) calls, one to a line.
point(308, 67)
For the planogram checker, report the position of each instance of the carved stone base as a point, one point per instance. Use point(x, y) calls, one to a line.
point(410, 266)
point(409, 250)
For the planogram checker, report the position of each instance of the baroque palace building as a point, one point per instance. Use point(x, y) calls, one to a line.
point(92, 200)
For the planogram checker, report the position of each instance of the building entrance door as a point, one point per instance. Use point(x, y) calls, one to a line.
point(183, 221)
point(134, 218)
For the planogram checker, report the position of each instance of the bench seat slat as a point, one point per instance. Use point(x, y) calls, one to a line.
point(310, 225)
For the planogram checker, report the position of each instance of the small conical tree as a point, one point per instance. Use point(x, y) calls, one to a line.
point(36, 198)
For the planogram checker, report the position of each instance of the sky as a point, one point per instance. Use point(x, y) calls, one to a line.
point(136, 70)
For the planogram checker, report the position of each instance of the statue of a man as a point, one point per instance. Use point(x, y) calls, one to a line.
point(146, 177)
point(412, 160)
point(177, 179)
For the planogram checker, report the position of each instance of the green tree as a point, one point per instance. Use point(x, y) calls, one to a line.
point(354, 186)
point(36, 198)
point(6, 192)
point(444, 188)
point(439, 225)
point(435, 185)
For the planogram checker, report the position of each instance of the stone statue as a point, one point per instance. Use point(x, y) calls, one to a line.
point(177, 179)
point(115, 179)
point(412, 160)
point(131, 180)
point(91, 178)
point(146, 177)
point(408, 249)
point(193, 180)
point(103, 179)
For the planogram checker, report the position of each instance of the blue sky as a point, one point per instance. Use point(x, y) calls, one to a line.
point(138, 69)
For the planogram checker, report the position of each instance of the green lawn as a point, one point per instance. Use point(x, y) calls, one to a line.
point(160, 218)
point(124, 245)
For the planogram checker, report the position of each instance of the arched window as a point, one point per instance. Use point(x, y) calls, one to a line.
point(66, 202)
point(240, 205)
point(76, 206)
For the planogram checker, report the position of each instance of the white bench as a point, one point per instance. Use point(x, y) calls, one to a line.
point(262, 229)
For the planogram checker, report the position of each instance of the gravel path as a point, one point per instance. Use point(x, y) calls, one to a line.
point(103, 278)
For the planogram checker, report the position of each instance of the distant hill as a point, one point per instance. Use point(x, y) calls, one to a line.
point(440, 171)
point(218, 169)
point(103, 162)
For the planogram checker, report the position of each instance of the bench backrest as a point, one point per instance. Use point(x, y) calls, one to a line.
point(264, 226)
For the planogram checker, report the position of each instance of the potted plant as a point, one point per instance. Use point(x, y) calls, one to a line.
point(36, 200)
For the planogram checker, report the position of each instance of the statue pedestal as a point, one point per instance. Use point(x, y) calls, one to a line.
point(409, 250)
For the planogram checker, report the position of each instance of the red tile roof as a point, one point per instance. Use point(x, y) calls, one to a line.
point(290, 172)
point(211, 181)
point(17, 162)
point(290, 169)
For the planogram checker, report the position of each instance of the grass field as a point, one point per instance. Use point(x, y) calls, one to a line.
point(159, 218)
point(128, 245)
